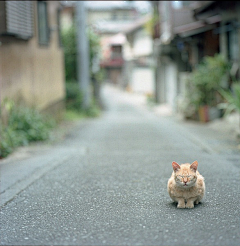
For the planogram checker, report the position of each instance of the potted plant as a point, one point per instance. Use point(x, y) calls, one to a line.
point(232, 98)
point(203, 87)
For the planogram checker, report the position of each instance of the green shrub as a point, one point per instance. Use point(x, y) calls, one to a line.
point(206, 79)
point(24, 125)
point(203, 84)
point(70, 52)
point(93, 111)
point(232, 98)
point(30, 122)
point(9, 140)
point(74, 101)
point(74, 98)
point(69, 40)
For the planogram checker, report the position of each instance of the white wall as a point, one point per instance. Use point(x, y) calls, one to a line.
point(143, 80)
point(171, 85)
point(143, 44)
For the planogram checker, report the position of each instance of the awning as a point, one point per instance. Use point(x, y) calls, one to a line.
point(197, 26)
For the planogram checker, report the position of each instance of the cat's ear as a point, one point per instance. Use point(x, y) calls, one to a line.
point(175, 166)
point(194, 166)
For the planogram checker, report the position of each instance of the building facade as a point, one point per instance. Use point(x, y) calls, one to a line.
point(31, 57)
point(189, 32)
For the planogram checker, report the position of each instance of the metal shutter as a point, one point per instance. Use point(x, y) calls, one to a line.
point(19, 19)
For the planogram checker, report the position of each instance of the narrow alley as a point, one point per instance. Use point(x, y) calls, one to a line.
point(106, 184)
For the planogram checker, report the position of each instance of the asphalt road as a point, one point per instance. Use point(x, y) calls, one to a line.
point(111, 187)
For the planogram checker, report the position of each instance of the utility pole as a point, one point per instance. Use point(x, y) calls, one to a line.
point(83, 54)
point(156, 36)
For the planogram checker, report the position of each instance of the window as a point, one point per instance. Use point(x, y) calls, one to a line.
point(59, 27)
point(43, 29)
point(16, 19)
point(232, 44)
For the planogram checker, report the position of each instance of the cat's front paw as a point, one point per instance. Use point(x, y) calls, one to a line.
point(189, 205)
point(181, 205)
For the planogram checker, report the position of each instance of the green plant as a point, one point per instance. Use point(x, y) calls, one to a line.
point(24, 125)
point(9, 140)
point(70, 53)
point(72, 115)
point(30, 122)
point(74, 102)
point(151, 26)
point(232, 98)
point(93, 111)
point(74, 98)
point(207, 79)
point(203, 84)
point(69, 41)
point(94, 50)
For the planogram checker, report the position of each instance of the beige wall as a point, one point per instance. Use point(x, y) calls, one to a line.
point(94, 16)
point(67, 17)
point(32, 73)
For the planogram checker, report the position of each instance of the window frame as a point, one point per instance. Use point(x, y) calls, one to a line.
point(17, 19)
point(59, 27)
point(43, 31)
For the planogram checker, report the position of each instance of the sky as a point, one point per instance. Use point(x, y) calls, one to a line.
point(143, 6)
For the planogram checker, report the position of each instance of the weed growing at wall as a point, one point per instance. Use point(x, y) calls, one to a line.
point(74, 102)
point(24, 125)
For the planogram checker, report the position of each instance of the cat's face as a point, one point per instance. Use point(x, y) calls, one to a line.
point(185, 180)
point(185, 175)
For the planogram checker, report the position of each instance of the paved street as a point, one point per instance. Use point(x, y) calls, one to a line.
point(106, 184)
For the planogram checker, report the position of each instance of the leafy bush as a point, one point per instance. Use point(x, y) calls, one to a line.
point(9, 140)
point(74, 101)
point(207, 79)
point(232, 98)
point(93, 110)
point(30, 122)
point(24, 125)
point(69, 40)
point(203, 84)
point(70, 53)
point(74, 98)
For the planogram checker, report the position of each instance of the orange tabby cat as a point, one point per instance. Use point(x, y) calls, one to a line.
point(186, 185)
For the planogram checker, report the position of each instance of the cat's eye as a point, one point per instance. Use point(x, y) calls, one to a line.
point(183, 176)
